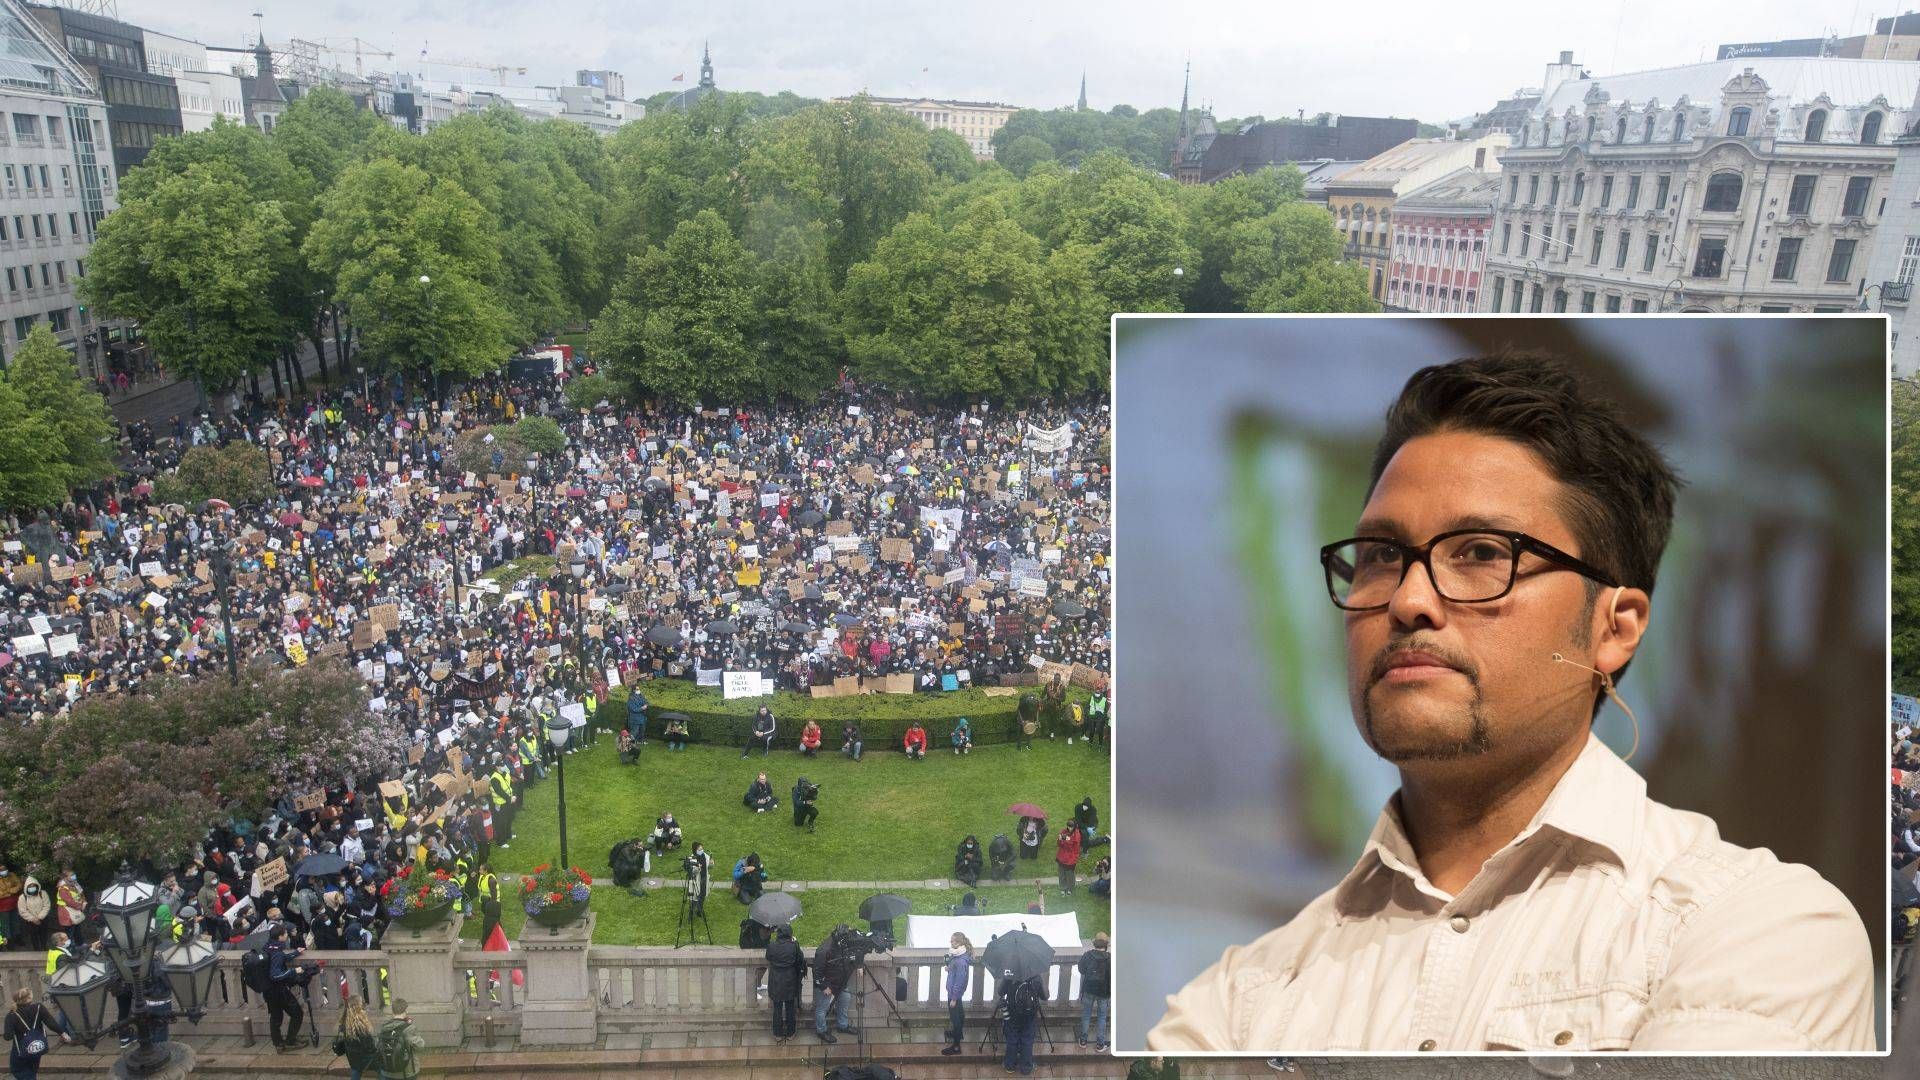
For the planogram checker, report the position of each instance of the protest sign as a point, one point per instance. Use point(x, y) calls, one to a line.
point(312, 800)
point(272, 874)
point(739, 684)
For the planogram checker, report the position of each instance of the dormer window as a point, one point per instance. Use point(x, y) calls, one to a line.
point(1816, 125)
point(1737, 121)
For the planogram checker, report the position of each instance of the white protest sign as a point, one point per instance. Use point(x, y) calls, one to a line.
point(574, 714)
point(823, 553)
point(152, 568)
point(770, 498)
point(750, 551)
point(41, 624)
point(739, 684)
point(1906, 710)
point(62, 644)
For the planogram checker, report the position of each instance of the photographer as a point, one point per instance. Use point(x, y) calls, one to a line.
point(666, 833)
point(747, 876)
point(832, 968)
point(1033, 833)
point(1067, 855)
point(805, 795)
point(698, 866)
point(283, 977)
point(963, 736)
point(786, 966)
point(763, 728)
point(759, 797)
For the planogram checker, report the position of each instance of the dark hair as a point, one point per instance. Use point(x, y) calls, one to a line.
point(1619, 493)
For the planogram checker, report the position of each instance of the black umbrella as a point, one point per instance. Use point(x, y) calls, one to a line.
point(770, 488)
point(1018, 954)
point(663, 635)
point(617, 588)
point(792, 626)
point(883, 906)
point(813, 592)
point(319, 866)
point(810, 518)
point(1905, 892)
point(1069, 609)
point(774, 909)
point(258, 939)
point(844, 619)
point(723, 531)
point(722, 626)
point(654, 483)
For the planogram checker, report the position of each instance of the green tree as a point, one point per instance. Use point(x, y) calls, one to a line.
point(681, 322)
point(1023, 153)
point(1290, 260)
point(972, 309)
point(541, 433)
point(382, 227)
point(1322, 286)
point(1128, 219)
point(29, 478)
point(950, 156)
point(1905, 500)
point(199, 263)
point(586, 391)
point(668, 167)
point(324, 131)
point(237, 473)
point(796, 330)
point(1213, 211)
point(84, 433)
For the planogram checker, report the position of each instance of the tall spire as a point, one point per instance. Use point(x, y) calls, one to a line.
point(706, 64)
point(1082, 107)
point(1185, 81)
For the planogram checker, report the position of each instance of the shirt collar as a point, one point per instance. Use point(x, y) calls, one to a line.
point(1596, 801)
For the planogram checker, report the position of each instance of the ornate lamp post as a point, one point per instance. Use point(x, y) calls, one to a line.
point(165, 984)
point(559, 730)
point(220, 561)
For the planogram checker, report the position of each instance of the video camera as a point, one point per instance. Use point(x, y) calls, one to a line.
point(807, 790)
point(856, 945)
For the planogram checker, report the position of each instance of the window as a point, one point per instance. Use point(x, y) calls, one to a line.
point(46, 275)
point(36, 226)
point(1633, 191)
point(1586, 300)
point(1840, 264)
point(1573, 232)
point(53, 226)
point(44, 182)
point(1519, 294)
point(66, 176)
point(26, 126)
point(1710, 257)
point(1553, 192)
point(27, 170)
point(1660, 187)
point(1533, 189)
point(1599, 237)
point(1506, 236)
point(1679, 134)
point(1639, 305)
point(1855, 204)
point(1546, 240)
point(1646, 130)
point(22, 326)
point(1592, 121)
point(1786, 258)
point(1620, 253)
point(12, 181)
point(13, 281)
point(1559, 300)
point(1620, 131)
point(1653, 252)
point(1870, 130)
point(1606, 191)
point(73, 224)
point(1579, 187)
point(1526, 239)
point(1723, 192)
point(1613, 303)
point(1800, 196)
point(1499, 290)
point(1737, 120)
point(1816, 125)
point(26, 273)
point(1513, 189)
point(1909, 261)
point(59, 320)
point(79, 268)
point(1539, 299)
point(60, 268)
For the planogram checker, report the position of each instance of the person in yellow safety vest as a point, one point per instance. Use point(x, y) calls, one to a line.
point(59, 952)
point(530, 755)
point(592, 706)
point(503, 799)
point(489, 902)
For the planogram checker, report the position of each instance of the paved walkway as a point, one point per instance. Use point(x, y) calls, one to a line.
point(1051, 878)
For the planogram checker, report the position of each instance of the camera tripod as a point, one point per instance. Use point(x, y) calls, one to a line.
point(861, 1053)
point(691, 908)
point(1000, 1012)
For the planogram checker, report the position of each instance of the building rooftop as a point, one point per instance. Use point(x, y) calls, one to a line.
point(950, 102)
point(1791, 80)
point(1461, 187)
point(1395, 164)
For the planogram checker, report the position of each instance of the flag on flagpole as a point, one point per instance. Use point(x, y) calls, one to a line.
point(423, 50)
point(682, 77)
point(497, 942)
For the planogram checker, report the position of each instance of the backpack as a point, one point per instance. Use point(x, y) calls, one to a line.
point(396, 1056)
point(254, 971)
point(1095, 972)
point(1025, 1000)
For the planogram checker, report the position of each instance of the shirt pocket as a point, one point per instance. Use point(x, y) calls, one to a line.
point(1594, 1018)
point(1264, 1004)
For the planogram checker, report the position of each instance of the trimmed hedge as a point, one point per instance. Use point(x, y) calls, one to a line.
point(883, 718)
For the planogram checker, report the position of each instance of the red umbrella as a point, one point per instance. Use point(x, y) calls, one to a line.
point(311, 481)
point(403, 425)
point(1026, 809)
point(576, 493)
point(290, 518)
point(220, 504)
point(143, 488)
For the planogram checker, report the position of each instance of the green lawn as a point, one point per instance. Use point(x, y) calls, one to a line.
point(578, 341)
point(623, 920)
point(884, 818)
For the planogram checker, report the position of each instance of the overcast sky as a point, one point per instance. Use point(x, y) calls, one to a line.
point(1433, 61)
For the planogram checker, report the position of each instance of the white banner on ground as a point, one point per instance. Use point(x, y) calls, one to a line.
point(1050, 440)
point(935, 931)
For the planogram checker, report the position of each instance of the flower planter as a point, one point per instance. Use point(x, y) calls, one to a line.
point(565, 913)
point(426, 918)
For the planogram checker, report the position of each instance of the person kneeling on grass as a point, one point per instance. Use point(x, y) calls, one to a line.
point(915, 741)
point(850, 740)
point(760, 797)
point(963, 737)
point(676, 733)
point(967, 861)
point(747, 876)
point(810, 739)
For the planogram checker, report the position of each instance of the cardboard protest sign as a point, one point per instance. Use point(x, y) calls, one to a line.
point(839, 528)
point(415, 754)
point(896, 550)
point(847, 686)
point(824, 690)
point(312, 800)
point(387, 615)
point(901, 683)
point(272, 874)
point(391, 789)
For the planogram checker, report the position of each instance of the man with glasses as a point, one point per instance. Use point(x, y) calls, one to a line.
point(1520, 891)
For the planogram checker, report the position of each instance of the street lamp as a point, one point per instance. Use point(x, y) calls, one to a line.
point(1678, 287)
point(1866, 304)
point(221, 563)
point(559, 730)
point(162, 985)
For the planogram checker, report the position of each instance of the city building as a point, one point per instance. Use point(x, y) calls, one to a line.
point(589, 106)
point(974, 121)
point(1512, 111)
point(1730, 185)
point(56, 176)
point(1439, 241)
point(1895, 260)
point(1319, 174)
point(264, 96)
point(141, 106)
point(1794, 47)
point(204, 93)
point(1895, 38)
point(612, 82)
point(686, 99)
point(1363, 198)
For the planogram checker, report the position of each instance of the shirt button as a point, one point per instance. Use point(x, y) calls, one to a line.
point(1428, 1045)
point(1563, 1038)
point(1459, 924)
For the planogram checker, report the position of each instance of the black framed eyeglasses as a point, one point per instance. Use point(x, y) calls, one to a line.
point(1466, 566)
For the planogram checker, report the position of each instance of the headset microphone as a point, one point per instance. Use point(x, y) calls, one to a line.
point(1606, 684)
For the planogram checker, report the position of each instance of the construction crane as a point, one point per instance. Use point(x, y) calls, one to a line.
point(360, 50)
point(499, 70)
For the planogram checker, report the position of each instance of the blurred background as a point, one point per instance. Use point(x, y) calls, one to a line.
point(1242, 446)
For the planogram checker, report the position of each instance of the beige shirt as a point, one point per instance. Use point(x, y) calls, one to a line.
point(1611, 922)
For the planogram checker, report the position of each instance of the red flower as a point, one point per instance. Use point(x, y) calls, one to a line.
point(556, 897)
point(441, 874)
point(584, 879)
point(542, 868)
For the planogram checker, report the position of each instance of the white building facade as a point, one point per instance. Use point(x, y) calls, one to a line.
point(1744, 185)
point(1895, 261)
point(56, 183)
point(974, 121)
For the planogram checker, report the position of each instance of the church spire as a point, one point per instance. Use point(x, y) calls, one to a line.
point(706, 64)
point(1185, 81)
point(1082, 107)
